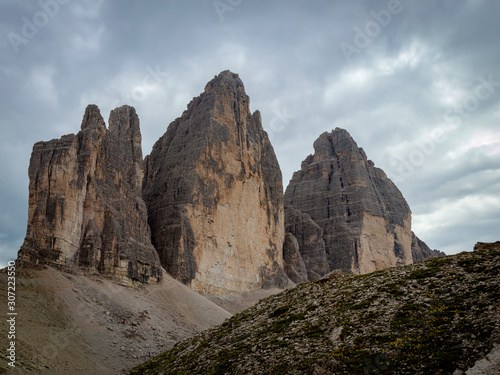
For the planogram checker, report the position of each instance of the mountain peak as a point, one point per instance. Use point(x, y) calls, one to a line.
point(124, 120)
point(358, 217)
point(334, 143)
point(212, 170)
point(85, 207)
point(225, 81)
point(92, 118)
point(339, 135)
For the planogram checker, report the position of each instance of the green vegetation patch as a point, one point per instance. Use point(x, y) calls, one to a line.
point(280, 325)
point(472, 264)
point(424, 273)
point(279, 311)
point(439, 262)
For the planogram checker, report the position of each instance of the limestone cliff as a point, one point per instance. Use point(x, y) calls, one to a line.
point(295, 267)
point(420, 251)
point(214, 193)
point(341, 201)
point(311, 246)
point(85, 205)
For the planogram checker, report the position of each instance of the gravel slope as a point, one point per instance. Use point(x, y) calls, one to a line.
point(72, 322)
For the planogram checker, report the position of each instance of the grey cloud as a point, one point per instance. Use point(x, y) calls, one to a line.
point(289, 57)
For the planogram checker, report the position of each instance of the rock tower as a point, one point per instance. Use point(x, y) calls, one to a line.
point(344, 212)
point(214, 193)
point(85, 206)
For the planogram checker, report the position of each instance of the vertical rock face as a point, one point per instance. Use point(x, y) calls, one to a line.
point(214, 193)
point(339, 200)
point(85, 204)
point(309, 236)
point(420, 251)
point(295, 267)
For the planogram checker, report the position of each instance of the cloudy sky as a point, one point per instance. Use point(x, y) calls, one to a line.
point(416, 83)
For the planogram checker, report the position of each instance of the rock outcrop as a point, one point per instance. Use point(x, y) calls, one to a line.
point(490, 365)
point(85, 206)
point(311, 246)
point(295, 267)
point(214, 193)
point(420, 251)
point(487, 246)
point(341, 199)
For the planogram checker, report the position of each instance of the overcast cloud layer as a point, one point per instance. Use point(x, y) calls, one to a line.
point(416, 83)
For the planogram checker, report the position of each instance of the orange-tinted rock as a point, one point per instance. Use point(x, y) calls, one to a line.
point(85, 206)
point(214, 193)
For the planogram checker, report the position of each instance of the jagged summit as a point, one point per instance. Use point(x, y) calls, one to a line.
point(223, 100)
point(345, 213)
point(124, 120)
point(85, 206)
point(329, 144)
point(214, 193)
point(225, 82)
point(92, 118)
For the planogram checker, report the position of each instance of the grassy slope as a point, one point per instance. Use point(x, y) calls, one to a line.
point(427, 318)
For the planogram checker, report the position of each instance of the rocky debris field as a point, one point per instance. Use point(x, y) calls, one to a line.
point(440, 316)
point(90, 325)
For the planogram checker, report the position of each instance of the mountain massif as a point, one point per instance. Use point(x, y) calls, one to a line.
point(212, 189)
point(207, 203)
point(206, 207)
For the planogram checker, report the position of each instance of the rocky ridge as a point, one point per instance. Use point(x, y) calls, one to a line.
point(420, 251)
point(86, 212)
point(439, 316)
point(214, 194)
point(344, 212)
